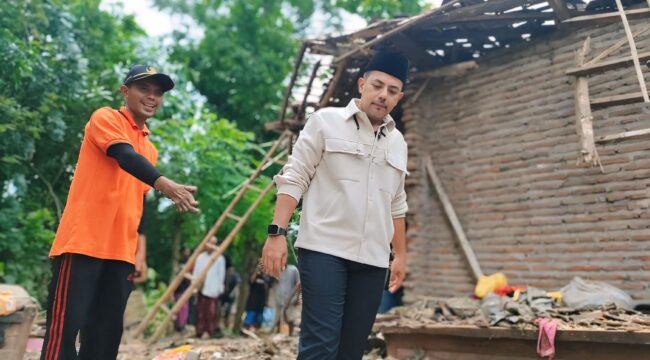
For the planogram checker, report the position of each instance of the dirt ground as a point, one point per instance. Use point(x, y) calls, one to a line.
point(266, 347)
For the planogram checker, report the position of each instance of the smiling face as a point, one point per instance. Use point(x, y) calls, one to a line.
point(380, 93)
point(143, 98)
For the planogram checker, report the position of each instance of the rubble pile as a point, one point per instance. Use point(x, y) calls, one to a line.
point(520, 312)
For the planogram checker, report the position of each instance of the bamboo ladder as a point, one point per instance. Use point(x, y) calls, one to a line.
point(160, 305)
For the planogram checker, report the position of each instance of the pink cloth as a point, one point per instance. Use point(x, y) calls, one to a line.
point(546, 339)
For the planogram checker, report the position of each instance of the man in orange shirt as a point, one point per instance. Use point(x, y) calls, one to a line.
point(97, 250)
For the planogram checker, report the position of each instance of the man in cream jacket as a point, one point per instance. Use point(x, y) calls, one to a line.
point(349, 166)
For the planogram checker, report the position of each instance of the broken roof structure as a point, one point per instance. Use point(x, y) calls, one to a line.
point(532, 114)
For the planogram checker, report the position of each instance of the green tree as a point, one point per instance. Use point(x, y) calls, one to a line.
point(378, 9)
point(59, 58)
point(244, 57)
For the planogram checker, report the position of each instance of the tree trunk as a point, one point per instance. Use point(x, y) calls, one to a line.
point(250, 265)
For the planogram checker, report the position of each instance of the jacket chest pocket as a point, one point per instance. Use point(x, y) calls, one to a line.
point(392, 172)
point(344, 159)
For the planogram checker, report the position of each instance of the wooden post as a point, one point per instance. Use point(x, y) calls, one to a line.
point(453, 219)
point(560, 9)
point(294, 75)
point(338, 72)
point(303, 105)
point(635, 56)
point(584, 119)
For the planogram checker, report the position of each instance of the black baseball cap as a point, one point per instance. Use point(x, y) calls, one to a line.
point(139, 72)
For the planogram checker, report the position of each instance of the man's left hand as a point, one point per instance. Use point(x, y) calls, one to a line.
point(397, 273)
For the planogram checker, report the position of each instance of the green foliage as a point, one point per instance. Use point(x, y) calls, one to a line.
point(375, 9)
point(24, 244)
point(244, 57)
point(59, 60)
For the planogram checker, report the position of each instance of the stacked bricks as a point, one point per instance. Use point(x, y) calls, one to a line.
point(503, 141)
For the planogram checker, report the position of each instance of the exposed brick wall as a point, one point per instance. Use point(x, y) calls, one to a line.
point(503, 141)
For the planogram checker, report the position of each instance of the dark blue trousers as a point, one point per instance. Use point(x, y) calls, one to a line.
point(340, 302)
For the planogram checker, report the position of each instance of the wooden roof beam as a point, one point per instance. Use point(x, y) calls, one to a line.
point(560, 11)
point(401, 27)
point(606, 18)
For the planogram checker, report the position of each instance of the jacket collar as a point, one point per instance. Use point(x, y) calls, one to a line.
point(352, 109)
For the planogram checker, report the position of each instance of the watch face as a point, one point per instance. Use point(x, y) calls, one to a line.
point(273, 229)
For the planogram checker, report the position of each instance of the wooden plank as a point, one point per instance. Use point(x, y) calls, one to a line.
point(233, 217)
point(559, 9)
point(292, 81)
point(401, 27)
point(578, 335)
point(479, 9)
point(635, 56)
point(303, 104)
point(453, 219)
point(606, 18)
point(450, 70)
point(610, 50)
point(507, 18)
point(602, 66)
point(254, 188)
point(325, 99)
point(624, 135)
point(615, 100)
point(584, 118)
point(417, 343)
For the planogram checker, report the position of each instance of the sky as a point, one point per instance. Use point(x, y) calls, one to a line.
point(157, 23)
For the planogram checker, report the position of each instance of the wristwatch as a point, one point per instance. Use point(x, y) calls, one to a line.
point(275, 230)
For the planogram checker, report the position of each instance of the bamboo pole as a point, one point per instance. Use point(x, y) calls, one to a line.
point(635, 56)
point(215, 255)
point(188, 265)
point(453, 219)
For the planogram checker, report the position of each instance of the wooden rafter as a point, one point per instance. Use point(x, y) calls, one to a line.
point(450, 70)
point(401, 27)
point(609, 17)
point(559, 9)
point(294, 75)
point(602, 66)
point(338, 73)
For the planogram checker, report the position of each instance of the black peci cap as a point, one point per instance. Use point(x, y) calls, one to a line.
point(139, 72)
point(391, 63)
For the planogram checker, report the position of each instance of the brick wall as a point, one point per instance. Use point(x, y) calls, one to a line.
point(503, 141)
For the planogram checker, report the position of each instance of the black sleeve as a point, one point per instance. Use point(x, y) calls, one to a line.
point(143, 219)
point(133, 163)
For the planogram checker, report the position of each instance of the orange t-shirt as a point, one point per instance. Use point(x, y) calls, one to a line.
point(104, 206)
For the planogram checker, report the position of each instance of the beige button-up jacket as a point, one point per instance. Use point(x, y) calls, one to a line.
point(352, 182)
